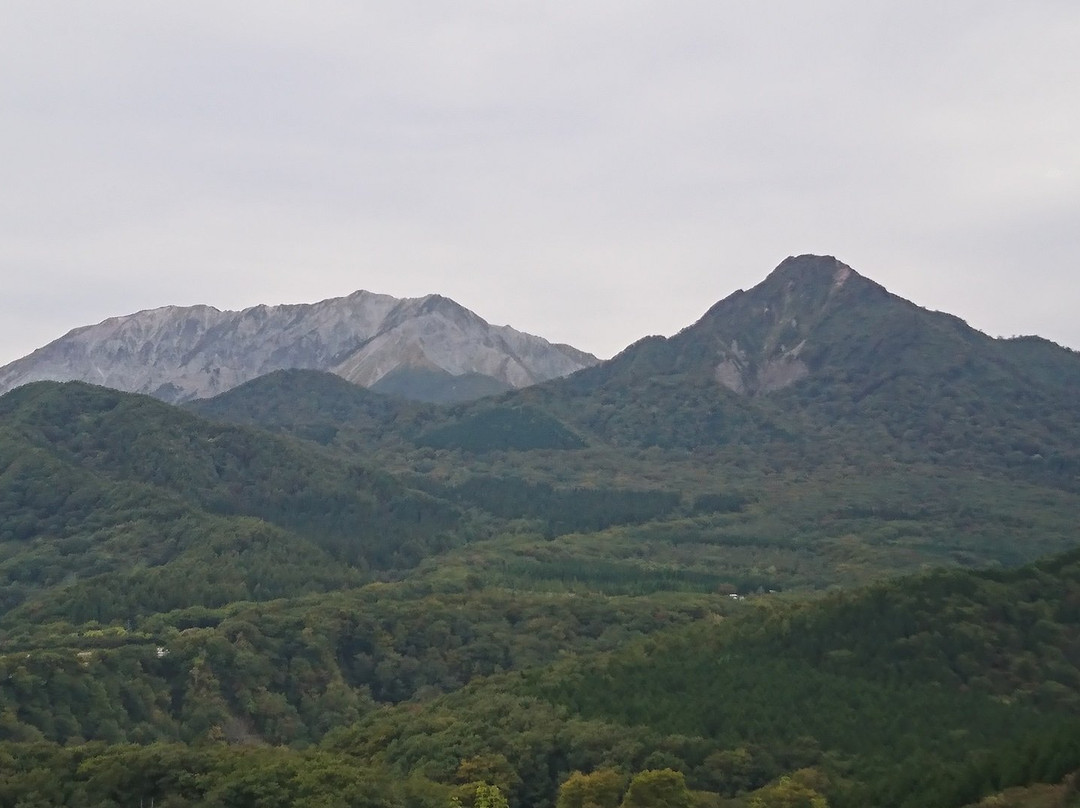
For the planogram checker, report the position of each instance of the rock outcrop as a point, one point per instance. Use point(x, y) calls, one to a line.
point(430, 346)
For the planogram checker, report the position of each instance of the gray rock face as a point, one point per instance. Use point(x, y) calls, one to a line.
point(741, 376)
point(196, 352)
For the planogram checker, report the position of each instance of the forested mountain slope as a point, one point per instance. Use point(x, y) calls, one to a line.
point(113, 504)
point(934, 690)
point(321, 407)
point(817, 355)
point(813, 363)
point(813, 430)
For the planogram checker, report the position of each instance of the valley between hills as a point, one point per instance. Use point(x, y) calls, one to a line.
point(819, 548)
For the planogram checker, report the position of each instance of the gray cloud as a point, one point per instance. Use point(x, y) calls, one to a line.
point(591, 172)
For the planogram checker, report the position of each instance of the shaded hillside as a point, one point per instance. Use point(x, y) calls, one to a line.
point(1008, 634)
point(316, 406)
point(105, 494)
point(436, 386)
point(501, 428)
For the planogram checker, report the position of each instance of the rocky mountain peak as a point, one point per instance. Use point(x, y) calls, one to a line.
point(440, 307)
point(764, 337)
point(814, 267)
point(812, 314)
point(807, 283)
point(179, 353)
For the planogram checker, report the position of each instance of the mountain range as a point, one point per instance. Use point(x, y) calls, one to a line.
point(427, 348)
point(813, 320)
point(818, 548)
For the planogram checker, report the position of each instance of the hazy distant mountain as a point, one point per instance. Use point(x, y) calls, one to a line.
point(427, 348)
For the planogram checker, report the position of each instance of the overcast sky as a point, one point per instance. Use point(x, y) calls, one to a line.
point(588, 171)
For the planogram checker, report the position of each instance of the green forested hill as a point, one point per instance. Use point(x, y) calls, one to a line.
point(113, 505)
point(317, 406)
point(927, 691)
point(818, 359)
point(935, 690)
point(226, 470)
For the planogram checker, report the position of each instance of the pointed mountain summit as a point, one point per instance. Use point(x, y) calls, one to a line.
point(428, 348)
point(814, 317)
point(818, 354)
point(778, 332)
point(767, 338)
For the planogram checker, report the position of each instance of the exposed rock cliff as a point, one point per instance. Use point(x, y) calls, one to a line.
point(179, 353)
